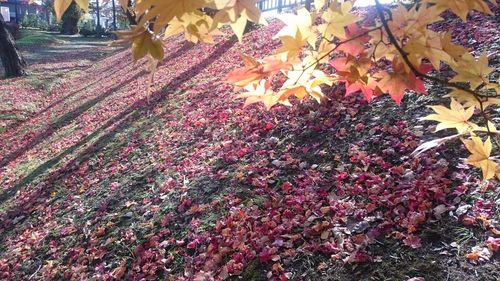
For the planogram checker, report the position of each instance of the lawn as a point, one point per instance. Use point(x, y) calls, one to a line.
point(31, 37)
point(102, 179)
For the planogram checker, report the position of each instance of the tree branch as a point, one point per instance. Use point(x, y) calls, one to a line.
point(418, 73)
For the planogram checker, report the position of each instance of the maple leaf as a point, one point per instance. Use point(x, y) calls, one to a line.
point(452, 49)
point(319, 4)
point(261, 92)
point(427, 46)
point(60, 6)
point(237, 13)
point(456, 117)
point(411, 23)
point(461, 8)
point(480, 156)
point(163, 11)
point(142, 41)
point(145, 44)
point(292, 45)
point(468, 100)
point(303, 82)
point(396, 83)
point(196, 27)
point(337, 17)
point(470, 70)
point(302, 21)
point(254, 71)
point(354, 73)
point(357, 46)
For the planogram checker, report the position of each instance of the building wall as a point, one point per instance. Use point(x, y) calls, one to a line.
point(22, 9)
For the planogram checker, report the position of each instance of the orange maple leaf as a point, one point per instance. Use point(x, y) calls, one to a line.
point(254, 71)
point(397, 82)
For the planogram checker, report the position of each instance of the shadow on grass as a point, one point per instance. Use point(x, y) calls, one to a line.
point(63, 121)
point(184, 48)
point(123, 120)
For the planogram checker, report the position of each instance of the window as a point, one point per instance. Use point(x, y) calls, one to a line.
point(5, 11)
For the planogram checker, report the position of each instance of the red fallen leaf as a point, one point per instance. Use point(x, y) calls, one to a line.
point(359, 257)
point(359, 126)
point(192, 245)
point(469, 221)
point(359, 239)
point(325, 210)
point(412, 241)
point(286, 186)
point(493, 244)
point(473, 257)
point(265, 256)
point(119, 271)
point(269, 126)
point(100, 231)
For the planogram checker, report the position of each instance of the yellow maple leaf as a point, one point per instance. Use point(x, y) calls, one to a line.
point(455, 117)
point(163, 11)
point(143, 42)
point(471, 70)
point(260, 92)
point(237, 13)
point(146, 44)
point(60, 6)
point(452, 49)
point(292, 45)
point(427, 46)
point(468, 100)
point(83, 4)
point(319, 4)
point(303, 83)
point(413, 22)
point(302, 21)
point(480, 156)
point(337, 17)
point(461, 8)
point(196, 26)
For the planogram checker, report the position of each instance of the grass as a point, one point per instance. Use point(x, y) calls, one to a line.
point(30, 37)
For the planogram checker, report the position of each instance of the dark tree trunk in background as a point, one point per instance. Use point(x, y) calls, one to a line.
point(69, 26)
point(70, 19)
point(130, 16)
point(12, 60)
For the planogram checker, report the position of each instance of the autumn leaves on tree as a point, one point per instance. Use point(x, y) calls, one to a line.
point(392, 54)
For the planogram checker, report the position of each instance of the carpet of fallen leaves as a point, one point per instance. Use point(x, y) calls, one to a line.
point(104, 181)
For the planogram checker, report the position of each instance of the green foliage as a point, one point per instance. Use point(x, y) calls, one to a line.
point(34, 21)
point(87, 26)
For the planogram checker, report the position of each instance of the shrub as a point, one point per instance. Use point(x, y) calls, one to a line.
point(34, 21)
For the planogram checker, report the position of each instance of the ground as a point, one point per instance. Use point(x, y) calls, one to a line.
point(104, 179)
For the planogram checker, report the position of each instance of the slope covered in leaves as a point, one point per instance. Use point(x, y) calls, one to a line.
point(107, 181)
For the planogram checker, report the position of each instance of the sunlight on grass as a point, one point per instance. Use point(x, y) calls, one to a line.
point(35, 37)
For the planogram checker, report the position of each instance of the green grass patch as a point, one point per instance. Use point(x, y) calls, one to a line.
point(36, 37)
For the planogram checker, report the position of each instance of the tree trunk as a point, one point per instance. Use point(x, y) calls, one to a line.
point(12, 60)
point(70, 19)
point(69, 26)
point(130, 16)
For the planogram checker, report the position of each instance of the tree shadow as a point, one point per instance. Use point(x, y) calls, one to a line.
point(121, 122)
point(186, 46)
point(63, 121)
